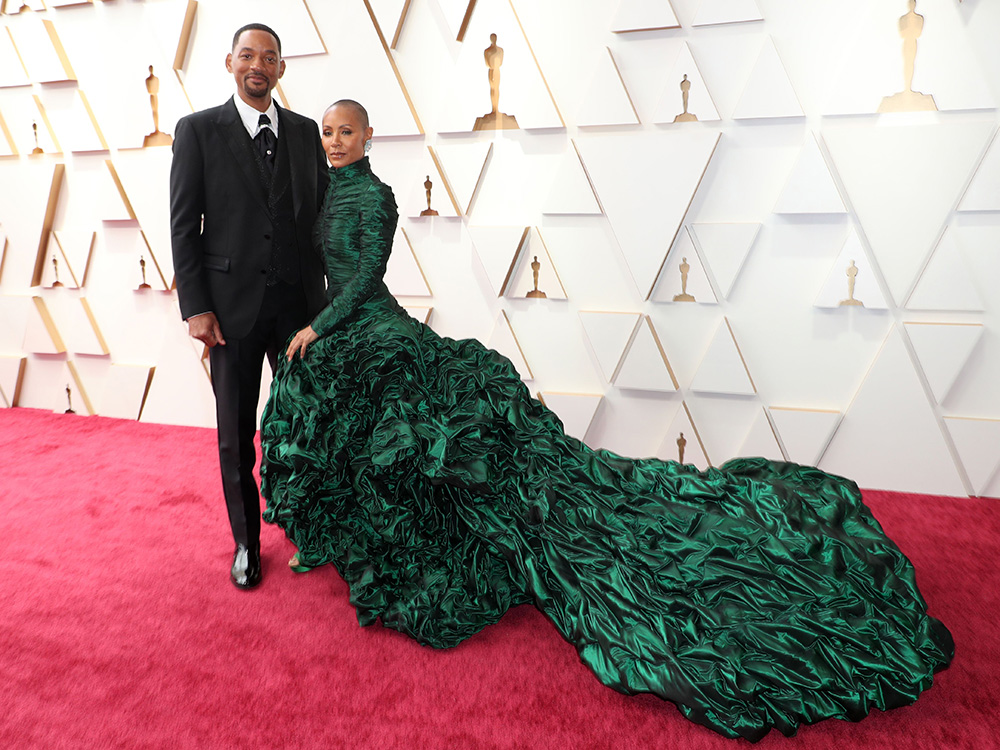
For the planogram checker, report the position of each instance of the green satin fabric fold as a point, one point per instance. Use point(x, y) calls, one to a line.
point(760, 595)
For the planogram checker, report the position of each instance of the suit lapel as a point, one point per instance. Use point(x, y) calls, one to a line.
point(295, 146)
point(241, 148)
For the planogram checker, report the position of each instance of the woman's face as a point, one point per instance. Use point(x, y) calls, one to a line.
point(343, 136)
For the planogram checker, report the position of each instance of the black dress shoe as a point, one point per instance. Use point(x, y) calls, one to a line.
point(246, 567)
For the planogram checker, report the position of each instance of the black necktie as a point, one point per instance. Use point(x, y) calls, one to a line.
point(266, 142)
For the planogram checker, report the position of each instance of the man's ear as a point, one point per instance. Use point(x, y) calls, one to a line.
point(281, 69)
point(229, 62)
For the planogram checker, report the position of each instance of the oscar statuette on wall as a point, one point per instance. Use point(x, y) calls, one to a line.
point(685, 116)
point(852, 275)
point(34, 129)
point(911, 26)
point(142, 269)
point(69, 401)
point(427, 189)
point(495, 120)
point(157, 137)
point(535, 293)
point(684, 267)
point(55, 271)
point(681, 442)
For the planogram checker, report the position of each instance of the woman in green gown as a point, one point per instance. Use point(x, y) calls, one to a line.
point(754, 596)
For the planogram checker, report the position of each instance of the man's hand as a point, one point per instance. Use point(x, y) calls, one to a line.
point(302, 339)
point(206, 329)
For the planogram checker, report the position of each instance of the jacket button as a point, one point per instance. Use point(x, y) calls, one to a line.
point(263, 270)
point(267, 236)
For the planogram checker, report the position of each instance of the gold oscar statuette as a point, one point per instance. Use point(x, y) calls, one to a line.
point(55, 270)
point(684, 296)
point(495, 120)
point(37, 149)
point(535, 293)
point(685, 116)
point(681, 442)
point(142, 268)
point(911, 26)
point(156, 138)
point(69, 401)
point(852, 274)
point(427, 189)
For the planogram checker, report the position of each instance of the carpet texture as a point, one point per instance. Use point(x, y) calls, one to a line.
point(119, 627)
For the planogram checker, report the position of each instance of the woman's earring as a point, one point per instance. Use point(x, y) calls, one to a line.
point(368, 145)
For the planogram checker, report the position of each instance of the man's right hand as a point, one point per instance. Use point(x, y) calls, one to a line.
point(206, 329)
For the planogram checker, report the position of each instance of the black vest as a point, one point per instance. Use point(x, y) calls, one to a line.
point(284, 262)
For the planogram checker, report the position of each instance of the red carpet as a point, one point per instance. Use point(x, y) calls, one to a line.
point(119, 627)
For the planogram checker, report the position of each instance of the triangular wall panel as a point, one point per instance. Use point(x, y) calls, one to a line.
point(942, 350)
point(946, 283)
point(984, 190)
point(575, 410)
point(464, 165)
point(504, 340)
point(640, 176)
point(607, 101)
point(645, 365)
point(768, 91)
point(670, 107)
point(810, 188)
point(804, 433)
point(609, 333)
point(761, 440)
point(403, 275)
point(722, 370)
point(683, 278)
point(571, 192)
point(725, 248)
point(644, 15)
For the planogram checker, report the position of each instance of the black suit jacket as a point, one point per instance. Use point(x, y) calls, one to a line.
point(220, 229)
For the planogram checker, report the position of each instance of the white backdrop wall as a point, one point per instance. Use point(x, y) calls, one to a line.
point(787, 178)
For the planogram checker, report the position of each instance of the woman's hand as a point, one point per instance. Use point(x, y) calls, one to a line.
point(302, 339)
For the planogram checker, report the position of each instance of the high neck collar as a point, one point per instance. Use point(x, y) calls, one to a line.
point(359, 167)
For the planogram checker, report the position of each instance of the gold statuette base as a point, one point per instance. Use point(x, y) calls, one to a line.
point(908, 101)
point(428, 212)
point(536, 294)
point(683, 298)
point(157, 139)
point(143, 287)
point(851, 303)
point(496, 121)
point(686, 117)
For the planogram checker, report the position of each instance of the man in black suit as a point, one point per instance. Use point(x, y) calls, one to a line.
point(246, 183)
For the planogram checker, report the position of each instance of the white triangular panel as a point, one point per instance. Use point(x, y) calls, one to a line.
point(885, 171)
point(711, 12)
point(942, 350)
point(571, 192)
point(810, 188)
point(609, 334)
point(889, 437)
point(145, 176)
point(676, 280)
point(497, 248)
point(464, 165)
point(645, 175)
point(682, 432)
point(76, 247)
point(390, 15)
point(607, 101)
point(33, 38)
point(41, 335)
point(11, 372)
point(645, 365)
point(671, 101)
point(644, 15)
point(978, 444)
point(805, 433)
point(522, 278)
point(768, 91)
point(946, 283)
point(84, 335)
point(418, 312)
point(836, 289)
point(984, 190)
point(402, 274)
point(575, 410)
point(725, 248)
point(454, 13)
point(761, 441)
point(12, 72)
point(74, 127)
point(124, 392)
point(722, 369)
point(504, 341)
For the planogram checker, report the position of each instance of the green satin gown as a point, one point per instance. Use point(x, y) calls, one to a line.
point(754, 596)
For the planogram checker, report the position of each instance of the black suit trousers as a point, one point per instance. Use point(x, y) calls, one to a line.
point(236, 375)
